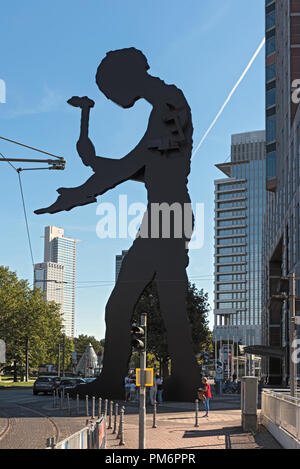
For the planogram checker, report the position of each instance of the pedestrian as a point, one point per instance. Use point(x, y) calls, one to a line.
point(159, 388)
point(132, 390)
point(204, 393)
point(127, 387)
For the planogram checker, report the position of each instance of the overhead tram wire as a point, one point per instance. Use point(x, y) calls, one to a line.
point(30, 148)
point(58, 165)
point(24, 207)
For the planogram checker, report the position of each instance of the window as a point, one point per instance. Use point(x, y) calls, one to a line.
point(271, 128)
point(271, 45)
point(270, 20)
point(271, 72)
point(224, 305)
point(271, 97)
point(271, 165)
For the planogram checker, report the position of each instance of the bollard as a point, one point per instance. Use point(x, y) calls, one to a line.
point(119, 429)
point(54, 402)
point(77, 403)
point(110, 415)
point(154, 415)
point(197, 413)
point(99, 407)
point(87, 405)
point(93, 407)
point(68, 402)
point(122, 443)
point(249, 396)
point(115, 419)
point(61, 399)
point(50, 442)
point(105, 408)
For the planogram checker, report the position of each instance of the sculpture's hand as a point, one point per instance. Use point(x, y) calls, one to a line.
point(68, 199)
point(83, 102)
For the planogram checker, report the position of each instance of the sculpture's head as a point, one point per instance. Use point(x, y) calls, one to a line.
point(120, 76)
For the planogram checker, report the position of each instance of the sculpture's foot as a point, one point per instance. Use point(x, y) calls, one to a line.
point(110, 387)
point(68, 199)
point(181, 388)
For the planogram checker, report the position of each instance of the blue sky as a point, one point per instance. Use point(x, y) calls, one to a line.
point(49, 51)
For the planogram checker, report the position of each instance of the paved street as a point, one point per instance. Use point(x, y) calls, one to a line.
point(26, 421)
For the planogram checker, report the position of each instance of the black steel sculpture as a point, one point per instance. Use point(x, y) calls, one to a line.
point(162, 161)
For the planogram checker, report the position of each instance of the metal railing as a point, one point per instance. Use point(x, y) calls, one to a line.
point(282, 410)
point(92, 436)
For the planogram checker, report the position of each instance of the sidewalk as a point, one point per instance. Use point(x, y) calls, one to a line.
point(176, 429)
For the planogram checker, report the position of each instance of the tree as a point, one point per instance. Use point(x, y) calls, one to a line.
point(197, 310)
point(26, 317)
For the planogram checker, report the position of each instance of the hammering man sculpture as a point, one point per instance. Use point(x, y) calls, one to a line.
point(162, 161)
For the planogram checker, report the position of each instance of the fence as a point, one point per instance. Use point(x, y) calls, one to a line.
point(280, 413)
point(93, 436)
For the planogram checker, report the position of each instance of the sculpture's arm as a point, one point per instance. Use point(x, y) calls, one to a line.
point(108, 174)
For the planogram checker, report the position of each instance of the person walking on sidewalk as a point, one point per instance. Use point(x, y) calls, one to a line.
point(205, 389)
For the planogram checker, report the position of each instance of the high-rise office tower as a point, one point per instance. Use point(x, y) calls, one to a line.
point(56, 275)
point(119, 260)
point(281, 255)
point(239, 207)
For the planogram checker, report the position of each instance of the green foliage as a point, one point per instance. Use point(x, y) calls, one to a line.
point(197, 310)
point(25, 315)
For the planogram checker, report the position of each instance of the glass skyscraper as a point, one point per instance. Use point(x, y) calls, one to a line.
point(119, 260)
point(59, 256)
point(239, 208)
point(281, 255)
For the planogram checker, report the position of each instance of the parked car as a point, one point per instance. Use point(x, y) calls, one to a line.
point(68, 384)
point(89, 380)
point(45, 384)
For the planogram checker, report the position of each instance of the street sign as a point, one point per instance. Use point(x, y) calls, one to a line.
point(2, 351)
point(219, 373)
point(148, 377)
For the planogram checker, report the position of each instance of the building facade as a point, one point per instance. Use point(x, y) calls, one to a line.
point(281, 255)
point(56, 276)
point(119, 260)
point(239, 207)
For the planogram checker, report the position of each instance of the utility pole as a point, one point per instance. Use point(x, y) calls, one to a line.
point(58, 364)
point(293, 335)
point(63, 357)
point(143, 365)
point(26, 360)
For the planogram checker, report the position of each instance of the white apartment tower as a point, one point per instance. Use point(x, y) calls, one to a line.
point(240, 199)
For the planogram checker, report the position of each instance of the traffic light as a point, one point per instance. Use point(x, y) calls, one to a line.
point(138, 338)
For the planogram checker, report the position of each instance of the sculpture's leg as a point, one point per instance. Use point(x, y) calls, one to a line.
point(134, 277)
point(172, 290)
